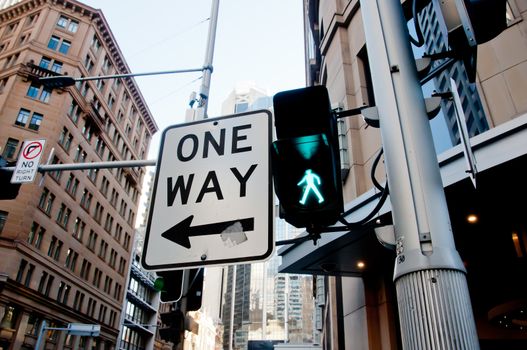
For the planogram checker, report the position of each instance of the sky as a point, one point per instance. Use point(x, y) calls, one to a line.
point(257, 41)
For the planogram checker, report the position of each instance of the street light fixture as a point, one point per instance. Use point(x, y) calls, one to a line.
point(62, 81)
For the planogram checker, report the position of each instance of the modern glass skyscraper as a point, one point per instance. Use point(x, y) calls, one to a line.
point(257, 302)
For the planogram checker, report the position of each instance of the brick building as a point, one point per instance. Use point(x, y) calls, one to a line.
point(65, 243)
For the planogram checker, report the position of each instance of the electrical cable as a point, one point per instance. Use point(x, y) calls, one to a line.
point(373, 168)
point(420, 39)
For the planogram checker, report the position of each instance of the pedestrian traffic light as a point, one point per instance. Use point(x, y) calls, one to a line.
point(170, 285)
point(7, 189)
point(469, 23)
point(305, 158)
point(195, 289)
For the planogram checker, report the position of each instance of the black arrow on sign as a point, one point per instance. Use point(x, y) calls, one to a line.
point(180, 232)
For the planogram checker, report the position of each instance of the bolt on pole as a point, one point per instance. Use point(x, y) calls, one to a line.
point(432, 293)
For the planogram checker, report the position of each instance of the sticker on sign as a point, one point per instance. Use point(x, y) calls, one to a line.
point(28, 161)
point(212, 197)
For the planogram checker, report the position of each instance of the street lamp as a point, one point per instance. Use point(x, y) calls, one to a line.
point(62, 81)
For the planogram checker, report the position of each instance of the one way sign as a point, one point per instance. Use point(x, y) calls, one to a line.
point(212, 197)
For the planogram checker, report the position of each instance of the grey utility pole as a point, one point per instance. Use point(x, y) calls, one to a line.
point(432, 294)
point(209, 55)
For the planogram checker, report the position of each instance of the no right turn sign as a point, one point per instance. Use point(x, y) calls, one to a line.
point(28, 161)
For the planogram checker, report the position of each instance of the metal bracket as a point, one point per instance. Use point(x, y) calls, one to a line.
point(370, 114)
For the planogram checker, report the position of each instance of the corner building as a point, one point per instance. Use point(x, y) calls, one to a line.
point(355, 288)
point(66, 240)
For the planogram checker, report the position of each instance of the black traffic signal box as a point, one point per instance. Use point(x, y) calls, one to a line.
point(305, 158)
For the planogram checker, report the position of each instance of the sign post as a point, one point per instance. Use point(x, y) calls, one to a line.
point(212, 200)
point(27, 165)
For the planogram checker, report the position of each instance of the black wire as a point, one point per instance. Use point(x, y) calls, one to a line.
point(373, 168)
point(374, 212)
point(420, 39)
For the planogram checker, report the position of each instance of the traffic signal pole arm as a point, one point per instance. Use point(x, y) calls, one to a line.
point(62, 81)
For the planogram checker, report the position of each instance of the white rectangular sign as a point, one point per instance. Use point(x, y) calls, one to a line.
point(27, 165)
point(212, 197)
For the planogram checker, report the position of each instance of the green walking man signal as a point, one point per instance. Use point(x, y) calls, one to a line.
point(309, 180)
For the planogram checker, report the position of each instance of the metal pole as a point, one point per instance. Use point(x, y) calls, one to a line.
point(128, 75)
point(434, 304)
point(93, 165)
point(209, 55)
point(41, 330)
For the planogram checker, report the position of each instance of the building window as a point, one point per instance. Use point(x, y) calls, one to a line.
point(63, 216)
point(126, 244)
point(92, 240)
point(85, 269)
point(78, 229)
point(95, 43)
point(29, 275)
point(107, 284)
point(3, 219)
point(56, 67)
point(113, 258)
point(11, 60)
point(65, 139)
point(22, 118)
point(71, 259)
point(36, 120)
point(91, 307)
point(67, 24)
point(63, 293)
point(102, 249)
point(58, 44)
point(74, 112)
point(78, 301)
point(33, 90)
point(92, 175)
point(21, 270)
point(88, 63)
point(86, 199)
point(108, 224)
point(46, 281)
point(87, 130)
point(46, 201)
point(52, 65)
point(122, 264)
point(97, 214)
point(97, 278)
point(35, 235)
point(10, 148)
point(106, 64)
point(71, 185)
point(80, 155)
point(102, 313)
point(55, 248)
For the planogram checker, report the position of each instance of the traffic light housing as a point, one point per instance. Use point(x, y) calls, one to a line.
point(305, 158)
point(195, 289)
point(170, 285)
point(469, 23)
point(7, 189)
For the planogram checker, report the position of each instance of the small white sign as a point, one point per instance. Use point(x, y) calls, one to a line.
point(28, 161)
point(212, 196)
